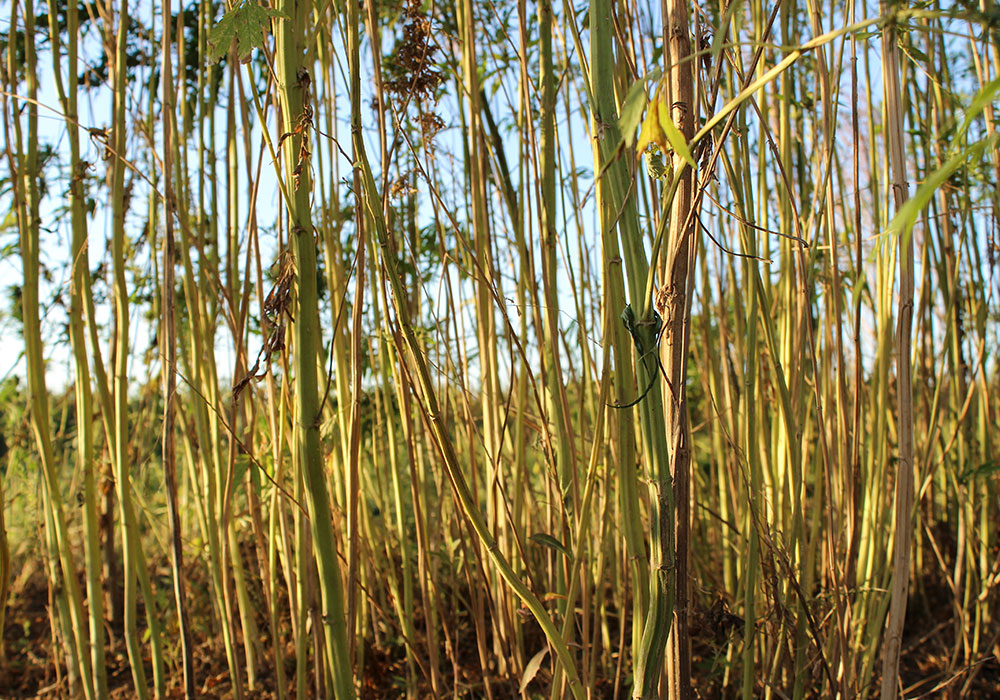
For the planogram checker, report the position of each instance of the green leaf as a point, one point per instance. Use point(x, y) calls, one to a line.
point(222, 35)
point(978, 104)
point(635, 102)
point(240, 469)
point(970, 473)
point(674, 136)
point(244, 24)
point(531, 670)
point(550, 541)
point(916, 55)
point(255, 478)
point(906, 217)
point(9, 222)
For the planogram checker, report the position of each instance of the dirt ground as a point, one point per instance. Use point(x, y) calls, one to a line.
point(28, 670)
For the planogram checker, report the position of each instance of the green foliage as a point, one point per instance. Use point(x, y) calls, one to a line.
point(455, 374)
point(551, 542)
point(244, 24)
point(635, 102)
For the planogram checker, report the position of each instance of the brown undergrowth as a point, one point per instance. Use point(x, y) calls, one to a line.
point(31, 671)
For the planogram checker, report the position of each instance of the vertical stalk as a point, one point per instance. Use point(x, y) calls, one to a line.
point(25, 171)
point(673, 300)
point(903, 503)
point(294, 91)
point(486, 282)
point(566, 463)
point(120, 458)
point(236, 316)
point(434, 418)
point(610, 191)
point(750, 444)
point(80, 290)
point(168, 354)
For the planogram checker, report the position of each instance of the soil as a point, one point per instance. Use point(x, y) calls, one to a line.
point(28, 671)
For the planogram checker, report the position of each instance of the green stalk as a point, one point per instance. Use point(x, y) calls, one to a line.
point(4, 570)
point(583, 528)
point(434, 418)
point(425, 574)
point(294, 92)
point(485, 283)
point(133, 560)
point(610, 189)
point(229, 290)
point(169, 355)
point(204, 294)
point(754, 516)
point(78, 340)
point(903, 510)
point(566, 465)
point(60, 617)
point(197, 360)
point(618, 207)
point(853, 532)
point(25, 171)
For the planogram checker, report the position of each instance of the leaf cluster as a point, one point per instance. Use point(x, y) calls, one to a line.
point(242, 29)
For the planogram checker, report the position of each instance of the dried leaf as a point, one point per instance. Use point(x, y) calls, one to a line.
point(531, 670)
